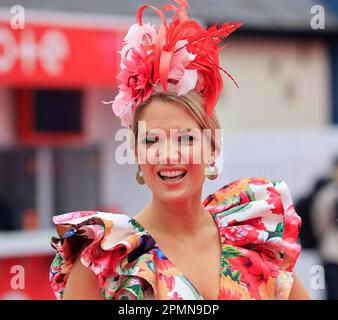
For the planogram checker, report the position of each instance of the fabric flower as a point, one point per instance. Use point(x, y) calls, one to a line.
point(135, 86)
point(122, 105)
point(181, 55)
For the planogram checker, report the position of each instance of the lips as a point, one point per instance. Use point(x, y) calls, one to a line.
point(172, 174)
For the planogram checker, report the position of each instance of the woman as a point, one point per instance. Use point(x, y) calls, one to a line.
point(239, 243)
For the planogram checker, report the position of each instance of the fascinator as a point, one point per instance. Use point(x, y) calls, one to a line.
point(180, 54)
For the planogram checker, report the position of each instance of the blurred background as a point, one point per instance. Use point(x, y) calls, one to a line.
point(57, 138)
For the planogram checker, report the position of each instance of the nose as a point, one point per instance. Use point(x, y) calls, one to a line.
point(168, 152)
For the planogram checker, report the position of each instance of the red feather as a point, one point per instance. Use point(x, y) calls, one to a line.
point(161, 40)
point(165, 63)
point(140, 10)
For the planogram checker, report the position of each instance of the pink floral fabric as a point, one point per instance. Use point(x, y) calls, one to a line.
point(258, 226)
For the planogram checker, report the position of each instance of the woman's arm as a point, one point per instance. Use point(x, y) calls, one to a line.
point(82, 283)
point(298, 292)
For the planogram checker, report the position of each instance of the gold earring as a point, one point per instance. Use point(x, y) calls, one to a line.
point(212, 172)
point(139, 176)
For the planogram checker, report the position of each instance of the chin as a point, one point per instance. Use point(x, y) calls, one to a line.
point(177, 193)
point(174, 197)
point(176, 190)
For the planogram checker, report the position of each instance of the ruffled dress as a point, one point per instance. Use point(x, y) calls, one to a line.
point(258, 228)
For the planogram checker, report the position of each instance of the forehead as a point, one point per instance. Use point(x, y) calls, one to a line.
point(166, 115)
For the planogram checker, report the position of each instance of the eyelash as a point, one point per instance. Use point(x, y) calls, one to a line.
point(152, 140)
point(191, 138)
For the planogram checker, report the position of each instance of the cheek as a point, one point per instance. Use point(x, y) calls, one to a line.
point(197, 174)
point(148, 156)
point(148, 171)
point(192, 154)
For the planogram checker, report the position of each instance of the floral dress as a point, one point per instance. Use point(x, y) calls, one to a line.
point(258, 228)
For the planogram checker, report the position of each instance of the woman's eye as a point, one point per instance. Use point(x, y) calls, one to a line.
point(186, 139)
point(150, 140)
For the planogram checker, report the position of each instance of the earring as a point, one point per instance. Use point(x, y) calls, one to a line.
point(212, 172)
point(139, 176)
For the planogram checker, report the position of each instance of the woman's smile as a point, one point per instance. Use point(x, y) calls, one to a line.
point(172, 176)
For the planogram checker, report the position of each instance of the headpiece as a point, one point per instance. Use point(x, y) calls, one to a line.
point(182, 55)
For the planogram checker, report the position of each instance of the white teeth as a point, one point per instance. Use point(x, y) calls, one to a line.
point(171, 173)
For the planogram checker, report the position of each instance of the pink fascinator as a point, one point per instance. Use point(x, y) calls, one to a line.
point(182, 54)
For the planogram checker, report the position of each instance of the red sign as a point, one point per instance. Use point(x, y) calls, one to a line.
point(58, 56)
point(26, 278)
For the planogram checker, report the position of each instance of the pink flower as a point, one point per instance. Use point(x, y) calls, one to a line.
point(138, 36)
point(122, 106)
point(136, 86)
point(186, 79)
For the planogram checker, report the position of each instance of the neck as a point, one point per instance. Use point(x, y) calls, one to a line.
point(177, 219)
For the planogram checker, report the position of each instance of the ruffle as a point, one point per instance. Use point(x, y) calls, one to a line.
point(116, 254)
point(258, 226)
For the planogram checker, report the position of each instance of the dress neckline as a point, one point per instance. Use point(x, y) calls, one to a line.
point(177, 269)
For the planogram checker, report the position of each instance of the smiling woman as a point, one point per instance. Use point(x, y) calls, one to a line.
point(240, 242)
point(172, 171)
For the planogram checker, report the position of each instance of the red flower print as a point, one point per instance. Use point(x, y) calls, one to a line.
point(276, 200)
point(255, 269)
point(292, 224)
point(240, 234)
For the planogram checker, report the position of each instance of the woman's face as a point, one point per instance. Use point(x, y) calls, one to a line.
point(169, 151)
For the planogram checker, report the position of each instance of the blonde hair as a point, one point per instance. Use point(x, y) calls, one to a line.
point(194, 103)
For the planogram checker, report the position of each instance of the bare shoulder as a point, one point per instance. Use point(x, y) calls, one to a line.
point(82, 283)
point(298, 292)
